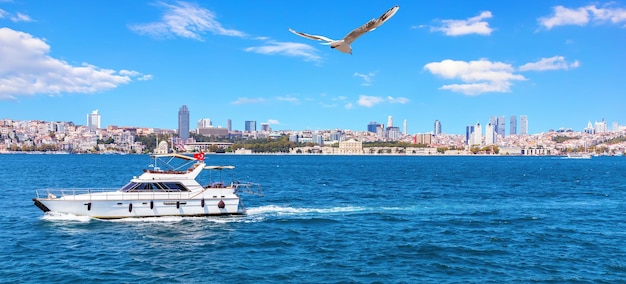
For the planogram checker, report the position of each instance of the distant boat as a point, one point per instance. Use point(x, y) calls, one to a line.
point(578, 156)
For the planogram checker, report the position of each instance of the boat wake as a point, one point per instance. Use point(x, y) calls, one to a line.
point(56, 216)
point(280, 210)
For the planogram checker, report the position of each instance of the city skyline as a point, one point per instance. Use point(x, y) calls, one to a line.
point(458, 62)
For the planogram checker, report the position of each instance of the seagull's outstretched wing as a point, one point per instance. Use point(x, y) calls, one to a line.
point(313, 37)
point(371, 25)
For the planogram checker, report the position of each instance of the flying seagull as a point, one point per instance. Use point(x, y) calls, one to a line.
point(343, 45)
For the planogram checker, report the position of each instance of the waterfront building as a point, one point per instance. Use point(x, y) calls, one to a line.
point(513, 125)
point(93, 120)
point(250, 126)
point(351, 146)
point(183, 123)
point(523, 125)
point(437, 129)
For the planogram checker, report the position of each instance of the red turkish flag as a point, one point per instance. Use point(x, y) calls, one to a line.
point(199, 156)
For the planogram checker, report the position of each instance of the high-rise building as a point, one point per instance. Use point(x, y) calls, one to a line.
point(183, 123)
point(490, 135)
point(523, 125)
point(437, 129)
point(265, 127)
point(93, 120)
point(229, 125)
point(501, 125)
point(601, 127)
point(473, 134)
point(390, 121)
point(393, 133)
point(513, 125)
point(204, 123)
point(250, 126)
point(469, 130)
point(477, 136)
point(373, 126)
point(404, 127)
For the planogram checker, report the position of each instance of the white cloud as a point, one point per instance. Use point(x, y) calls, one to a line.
point(367, 78)
point(293, 49)
point(288, 99)
point(474, 25)
point(28, 69)
point(18, 17)
point(243, 100)
point(348, 106)
point(369, 101)
point(552, 63)
point(399, 100)
point(613, 15)
point(187, 20)
point(273, 121)
point(21, 18)
point(479, 76)
point(582, 16)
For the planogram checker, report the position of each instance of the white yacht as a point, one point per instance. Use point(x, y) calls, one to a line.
point(174, 191)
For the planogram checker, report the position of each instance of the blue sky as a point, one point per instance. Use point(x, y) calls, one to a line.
point(561, 63)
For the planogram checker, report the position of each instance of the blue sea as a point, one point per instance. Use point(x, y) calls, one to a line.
point(332, 219)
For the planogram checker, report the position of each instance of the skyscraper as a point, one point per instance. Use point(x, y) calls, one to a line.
point(250, 126)
point(473, 134)
point(204, 123)
point(477, 136)
point(501, 125)
point(490, 135)
point(265, 126)
point(183, 123)
point(229, 125)
point(93, 120)
point(469, 130)
point(390, 121)
point(513, 125)
point(523, 125)
point(404, 127)
point(373, 126)
point(437, 129)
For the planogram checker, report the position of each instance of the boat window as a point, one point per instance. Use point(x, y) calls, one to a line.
point(143, 187)
point(128, 187)
point(174, 186)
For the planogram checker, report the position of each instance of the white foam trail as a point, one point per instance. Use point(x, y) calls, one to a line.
point(55, 216)
point(280, 210)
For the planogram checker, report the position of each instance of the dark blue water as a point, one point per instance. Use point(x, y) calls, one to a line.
point(337, 219)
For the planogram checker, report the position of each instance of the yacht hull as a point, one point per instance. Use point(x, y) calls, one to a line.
point(115, 209)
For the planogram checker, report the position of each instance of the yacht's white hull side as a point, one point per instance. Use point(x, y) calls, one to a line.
point(125, 208)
